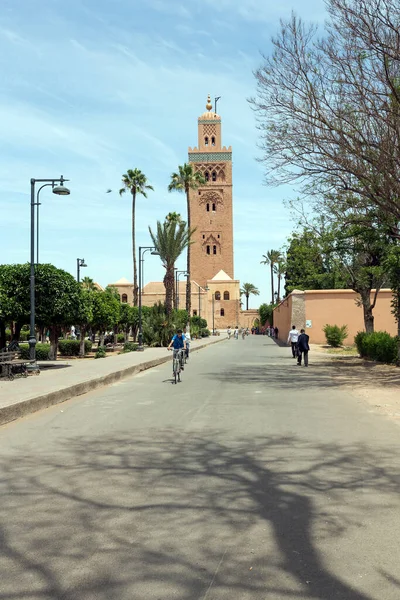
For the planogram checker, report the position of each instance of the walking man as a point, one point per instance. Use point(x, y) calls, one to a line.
point(293, 339)
point(303, 347)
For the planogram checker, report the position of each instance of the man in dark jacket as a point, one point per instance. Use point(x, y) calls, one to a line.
point(303, 348)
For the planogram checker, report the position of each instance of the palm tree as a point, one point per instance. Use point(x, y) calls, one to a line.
point(88, 284)
point(280, 269)
point(184, 180)
point(247, 289)
point(136, 182)
point(271, 258)
point(173, 217)
point(170, 241)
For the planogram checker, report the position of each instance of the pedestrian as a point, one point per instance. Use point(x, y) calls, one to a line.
point(292, 339)
point(303, 347)
point(276, 330)
point(186, 334)
point(73, 336)
point(229, 332)
point(236, 333)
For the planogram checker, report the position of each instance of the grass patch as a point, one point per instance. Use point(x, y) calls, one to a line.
point(347, 350)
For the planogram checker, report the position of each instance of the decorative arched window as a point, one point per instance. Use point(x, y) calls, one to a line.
point(206, 141)
point(208, 207)
point(213, 140)
point(207, 176)
point(208, 250)
point(218, 295)
point(222, 312)
point(214, 176)
point(213, 207)
point(124, 298)
point(214, 249)
point(226, 295)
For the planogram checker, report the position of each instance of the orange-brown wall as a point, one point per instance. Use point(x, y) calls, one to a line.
point(333, 307)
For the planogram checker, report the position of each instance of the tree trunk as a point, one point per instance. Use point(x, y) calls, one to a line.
point(398, 327)
point(54, 332)
point(169, 289)
point(247, 301)
point(272, 283)
point(3, 342)
point(188, 283)
point(135, 277)
point(367, 310)
point(17, 331)
point(82, 341)
point(279, 288)
point(101, 338)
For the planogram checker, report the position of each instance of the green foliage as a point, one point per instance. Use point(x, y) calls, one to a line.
point(23, 336)
point(205, 332)
point(180, 318)
point(106, 310)
point(42, 351)
point(120, 338)
point(378, 345)
point(266, 313)
point(335, 335)
point(197, 322)
point(186, 178)
point(71, 347)
point(130, 347)
point(158, 327)
point(247, 290)
point(135, 182)
point(100, 352)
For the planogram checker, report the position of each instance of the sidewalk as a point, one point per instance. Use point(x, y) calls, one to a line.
point(64, 379)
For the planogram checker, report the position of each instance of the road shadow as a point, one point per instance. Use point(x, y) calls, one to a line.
point(165, 514)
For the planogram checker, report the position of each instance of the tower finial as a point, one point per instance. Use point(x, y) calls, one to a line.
point(209, 105)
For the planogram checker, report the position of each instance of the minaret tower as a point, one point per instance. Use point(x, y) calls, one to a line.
point(211, 204)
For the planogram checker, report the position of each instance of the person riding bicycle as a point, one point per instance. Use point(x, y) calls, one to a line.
point(178, 342)
point(186, 335)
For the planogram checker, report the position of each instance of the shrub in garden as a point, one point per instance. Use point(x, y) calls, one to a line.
point(120, 338)
point(42, 351)
point(204, 332)
point(130, 347)
point(335, 335)
point(71, 347)
point(379, 345)
point(100, 352)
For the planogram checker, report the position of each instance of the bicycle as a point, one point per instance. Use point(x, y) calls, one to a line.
point(177, 364)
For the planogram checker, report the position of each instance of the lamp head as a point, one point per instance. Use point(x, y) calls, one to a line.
point(61, 190)
point(155, 253)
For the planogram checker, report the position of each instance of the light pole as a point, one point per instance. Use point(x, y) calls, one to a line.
point(213, 299)
point(177, 274)
point(60, 190)
point(80, 262)
point(200, 288)
point(141, 261)
point(37, 218)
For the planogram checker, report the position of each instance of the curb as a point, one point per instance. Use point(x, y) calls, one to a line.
point(26, 407)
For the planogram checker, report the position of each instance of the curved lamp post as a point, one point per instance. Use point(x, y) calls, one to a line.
point(60, 190)
point(141, 275)
point(177, 275)
point(80, 262)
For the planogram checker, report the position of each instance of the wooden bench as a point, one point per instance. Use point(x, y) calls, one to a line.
point(10, 363)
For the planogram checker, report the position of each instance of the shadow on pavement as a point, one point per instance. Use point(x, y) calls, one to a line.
point(166, 515)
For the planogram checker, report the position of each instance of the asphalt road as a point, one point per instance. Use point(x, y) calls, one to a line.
point(253, 479)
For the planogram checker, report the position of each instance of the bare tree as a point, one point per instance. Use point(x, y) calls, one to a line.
point(328, 106)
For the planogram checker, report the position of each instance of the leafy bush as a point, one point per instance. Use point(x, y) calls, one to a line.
point(378, 345)
point(158, 328)
point(335, 335)
point(205, 332)
point(198, 322)
point(130, 347)
point(120, 338)
point(42, 351)
point(71, 347)
point(180, 318)
point(100, 352)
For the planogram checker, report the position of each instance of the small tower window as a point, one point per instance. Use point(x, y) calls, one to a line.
point(218, 295)
point(206, 141)
point(218, 236)
point(214, 176)
point(213, 206)
point(124, 298)
point(207, 176)
point(208, 207)
point(213, 140)
point(195, 313)
point(226, 295)
point(203, 236)
point(208, 250)
point(214, 249)
point(222, 312)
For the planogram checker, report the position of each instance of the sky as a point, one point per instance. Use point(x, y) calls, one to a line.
point(91, 88)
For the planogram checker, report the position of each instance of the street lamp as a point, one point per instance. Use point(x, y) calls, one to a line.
point(60, 190)
point(80, 262)
point(200, 288)
point(154, 252)
point(177, 274)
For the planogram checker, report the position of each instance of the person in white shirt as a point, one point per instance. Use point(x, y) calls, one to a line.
point(229, 332)
point(236, 333)
point(293, 339)
point(186, 333)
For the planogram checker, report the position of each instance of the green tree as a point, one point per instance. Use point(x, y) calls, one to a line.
point(280, 270)
point(106, 312)
point(135, 182)
point(184, 180)
point(266, 312)
point(173, 217)
point(88, 283)
point(170, 240)
point(247, 289)
point(272, 258)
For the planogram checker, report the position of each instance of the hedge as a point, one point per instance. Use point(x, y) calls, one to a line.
point(42, 351)
point(379, 345)
point(71, 347)
point(130, 347)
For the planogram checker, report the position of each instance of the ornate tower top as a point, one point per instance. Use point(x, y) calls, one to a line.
point(209, 105)
point(210, 115)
